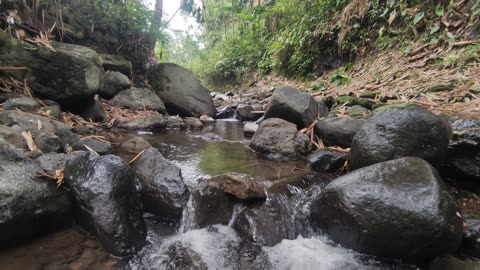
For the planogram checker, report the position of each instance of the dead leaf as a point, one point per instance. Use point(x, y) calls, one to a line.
point(30, 143)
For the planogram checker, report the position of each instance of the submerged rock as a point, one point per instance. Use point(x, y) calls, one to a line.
point(106, 201)
point(21, 103)
point(279, 139)
point(395, 209)
point(100, 146)
point(400, 132)
point(338, 131)
point(29, 206)
point(175, 122)
point(326, 160)
point(181, 91)
point(225, 113)
point(138, 99)
point(193, 123)
point(135, 145)
point(162, 189)
point(294, 106)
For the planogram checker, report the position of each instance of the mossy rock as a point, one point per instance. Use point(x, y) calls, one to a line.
point(381, 107)
point(352, 101)
point(370, 94)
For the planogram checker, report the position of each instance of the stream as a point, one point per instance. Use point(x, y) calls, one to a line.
point(218, 148)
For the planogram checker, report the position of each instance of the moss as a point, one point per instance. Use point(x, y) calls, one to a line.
point(381, 107)
point(351, 101)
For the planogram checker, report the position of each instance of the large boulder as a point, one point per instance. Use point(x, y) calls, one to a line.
point(34, 123)
point(463, 159)
point(162, 189)
point(91, 110)
point(181, 91)
point(106, 201)
point(395, 209)
point(471, 238)
point(338, 131)
point(29, 206)
point(279, 139)
point(138, 99)
point(151, 122)
point(21, 103)
point(401, 132)
point(326, 160)
point(65, 73)
point(98, 145)
point(294, 106)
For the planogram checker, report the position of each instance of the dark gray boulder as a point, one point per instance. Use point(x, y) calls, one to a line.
point(116, 63)
point(226, 113)
point(278, 139)
point(114, 82)
point(138, 99)
point(338, 131)
point(240, 186)
point(22, 103)
point(106, 201)
point(175, 122)
point(48, 143)
point(67, 137)
point(395, 209)
point(68, 74)
point(294, 106)
point(53, 111)
point(52, 162)
point(29, 206)
point(181, 91)
point(12, 136)
point(326, 160)
point(162, 189)
point(463, 159)
point(100, 146)
point(471, 238)
point(250, 128)
point(400, 132)
point(152, 122)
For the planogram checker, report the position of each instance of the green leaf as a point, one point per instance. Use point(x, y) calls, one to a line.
point(434, 29)
point(439, 11)
point(418, 17)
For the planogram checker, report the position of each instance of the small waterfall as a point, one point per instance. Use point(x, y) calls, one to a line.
point(237, 209)
point(188, 221)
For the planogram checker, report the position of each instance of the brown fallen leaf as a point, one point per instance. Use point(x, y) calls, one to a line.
point(30, 143)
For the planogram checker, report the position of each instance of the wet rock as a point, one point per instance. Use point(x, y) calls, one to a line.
point(22, 103)
point(152, 122)
point(67, 74)
point(279, 139)
point(181, 91)
point(338, 131)
point(52, 162)
point(206, 119)
point(113, 83)
point(463, 159)
point(294, 106)
point(326, 160)
point(48, 143)
point(138, 99)
point(242, 187)
point(135, 145)
point(245, 112)
point(250, 128)
point(25, 200)
point(53, 111)
point(193, 123)
point(67, 137)
point(269, 223)
point(92, 111)
point(452, 263)
point(182, 257)
point(12, 136)
point(471, 238)
point(212, 137)
point(84, 130)
point(100, 146)
point(116, 63)
point(27, 121)
point(226, 113)
point(395, 209)
point(162, 189)
point(209, 205)
point(400, 132)
point(175, 122)
point(106, 201)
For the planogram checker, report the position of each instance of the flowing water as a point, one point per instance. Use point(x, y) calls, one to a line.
point(217, 149)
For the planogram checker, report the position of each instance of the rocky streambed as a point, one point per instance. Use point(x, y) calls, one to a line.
point(98, 172)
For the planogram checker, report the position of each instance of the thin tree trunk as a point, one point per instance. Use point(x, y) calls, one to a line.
point(223, 19)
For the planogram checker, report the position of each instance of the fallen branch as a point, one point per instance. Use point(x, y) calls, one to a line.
point(466, 42)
